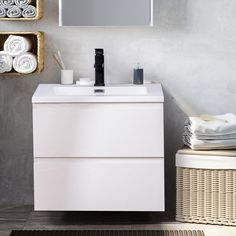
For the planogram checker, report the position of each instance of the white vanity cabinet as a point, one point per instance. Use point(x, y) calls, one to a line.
point(98, 153)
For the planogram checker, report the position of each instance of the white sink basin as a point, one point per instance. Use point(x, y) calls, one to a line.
point(100, 91)
point(56, 93)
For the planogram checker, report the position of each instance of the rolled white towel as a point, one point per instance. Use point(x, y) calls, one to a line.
point(5, 62)
point(7, 3)
point(22, 3)
point(3, 12)
point(29, 12)
point(14, 12)
point(16, 45)
point(25, 63)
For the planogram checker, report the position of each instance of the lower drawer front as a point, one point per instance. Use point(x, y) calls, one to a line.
point(99, 184)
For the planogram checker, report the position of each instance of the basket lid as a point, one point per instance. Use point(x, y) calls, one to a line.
point(188, 158)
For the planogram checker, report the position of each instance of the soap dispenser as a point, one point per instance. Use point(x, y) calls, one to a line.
point(138, 75)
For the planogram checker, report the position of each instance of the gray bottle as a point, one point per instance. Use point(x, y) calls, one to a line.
point(138, 75)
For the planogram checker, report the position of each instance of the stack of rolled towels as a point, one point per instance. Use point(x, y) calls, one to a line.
point(16, 56)
point(17, 9)
point(210, 132)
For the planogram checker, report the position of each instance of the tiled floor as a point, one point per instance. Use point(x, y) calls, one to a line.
point(25, 218)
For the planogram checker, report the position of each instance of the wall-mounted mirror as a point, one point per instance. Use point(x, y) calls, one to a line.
point(106, 12)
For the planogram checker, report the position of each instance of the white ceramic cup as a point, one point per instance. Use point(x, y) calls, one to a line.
point(67, 77)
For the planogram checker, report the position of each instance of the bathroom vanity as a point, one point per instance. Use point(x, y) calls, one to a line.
point(98, 148)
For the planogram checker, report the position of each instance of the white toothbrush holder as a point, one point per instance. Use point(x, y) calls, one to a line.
point(67, 77)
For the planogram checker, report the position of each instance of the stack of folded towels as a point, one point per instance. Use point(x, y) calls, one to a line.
point(17, 9)
point(16, 56)
point(210, 132)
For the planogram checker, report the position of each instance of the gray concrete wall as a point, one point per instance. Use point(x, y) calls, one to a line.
point(191, 51)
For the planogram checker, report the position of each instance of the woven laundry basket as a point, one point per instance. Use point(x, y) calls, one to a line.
point(206, 187)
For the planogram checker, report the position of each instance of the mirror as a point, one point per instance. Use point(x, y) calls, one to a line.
point(106, 12)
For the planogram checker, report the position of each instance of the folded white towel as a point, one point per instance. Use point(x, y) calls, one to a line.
point(25, 63)
point(16, 45)
point(197, 144)
point(22, 3)
point(3, 12)
point(14, 12)
point(210, 132)
point(218, 125)
point(187, 132)
point(5, 62)
point(7, 3)
point(29, 12)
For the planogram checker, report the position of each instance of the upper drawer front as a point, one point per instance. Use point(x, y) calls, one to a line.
point(98, 130)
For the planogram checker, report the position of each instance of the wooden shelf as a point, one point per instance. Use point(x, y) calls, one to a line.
point(37, 40)
point(39, 6)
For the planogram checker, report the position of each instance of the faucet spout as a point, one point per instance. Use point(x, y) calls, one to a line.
point(99, 67)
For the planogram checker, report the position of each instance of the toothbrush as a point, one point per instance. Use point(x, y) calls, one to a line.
point(55, 57)
point(60, 58)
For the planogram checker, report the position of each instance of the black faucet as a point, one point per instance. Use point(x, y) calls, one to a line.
point(99, 67)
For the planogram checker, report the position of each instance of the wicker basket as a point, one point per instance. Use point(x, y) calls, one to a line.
point(39, 6)
point(37, 40)
point(206, 195)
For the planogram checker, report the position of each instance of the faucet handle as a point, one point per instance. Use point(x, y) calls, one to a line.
point(99, 58)
point(99, 51)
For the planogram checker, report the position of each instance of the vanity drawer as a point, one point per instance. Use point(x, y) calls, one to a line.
point(99, 184)
point(98, 130)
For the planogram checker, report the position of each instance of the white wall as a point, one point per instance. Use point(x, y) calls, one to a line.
point(191, 50)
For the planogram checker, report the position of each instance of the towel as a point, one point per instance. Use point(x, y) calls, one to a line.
point(5, 62)
point(22, 3)
point(25, 63)
point(14, 12)
point(197, 144)
point(3, 12)
point(187, 132)
point(29, 12)
point(210, 132)
point(219, 125)
point(16, 45)
point(7, 3)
